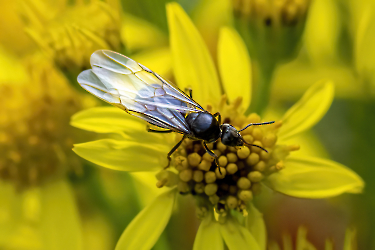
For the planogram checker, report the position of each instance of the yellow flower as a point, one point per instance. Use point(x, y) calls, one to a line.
point(35, 141)
point(223, 202)
point(272, 32)
point(338, 44)
point(70, 33)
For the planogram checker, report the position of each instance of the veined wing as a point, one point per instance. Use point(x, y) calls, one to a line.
point(131, 86)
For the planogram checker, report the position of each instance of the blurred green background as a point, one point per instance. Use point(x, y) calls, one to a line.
point(48, 194)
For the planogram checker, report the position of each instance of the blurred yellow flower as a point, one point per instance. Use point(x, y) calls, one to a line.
point(35, 142)
point(272, 32)
point(69, 34)
point(223, 198)
point(11, 37)
point(34, 131)
point(338, 44)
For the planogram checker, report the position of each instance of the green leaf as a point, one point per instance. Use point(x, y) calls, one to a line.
point(237, 237)
point(257, 227)
point(314, 178)
point(308, 110)
point(60, 225)
point(234, 64)
point(193, 65)
point(145, 229)
point(208, 236)
point(124, 155)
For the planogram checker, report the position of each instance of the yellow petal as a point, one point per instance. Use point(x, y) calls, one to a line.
point(274, 246)
point(147, 226)
point(209, 16)
point(287, 242)
point(208, 236)
point(158, 60)
point(314, 178)
point(124, 155)
point(329, 245)
point(106, 120)
point(11, 68)
point(60, 227)
point(364, 44)
point(322, 31)
point(137, 33)
point(19, 218)
point(350, 240)
point(237, 237)
point(308, 110)
point(234, 65)
point(257, 227)
point(292, 79)
point(10, 212)
point(144, 183)
point(301, 242)
point(192, 63)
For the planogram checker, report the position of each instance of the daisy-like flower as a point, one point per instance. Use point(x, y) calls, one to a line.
point(223, 193)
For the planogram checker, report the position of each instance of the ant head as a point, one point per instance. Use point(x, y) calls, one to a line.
point(230, 136)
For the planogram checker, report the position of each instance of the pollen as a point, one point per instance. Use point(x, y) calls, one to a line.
point(232, 180)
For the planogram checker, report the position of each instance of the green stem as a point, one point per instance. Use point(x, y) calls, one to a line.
point(263, 73)
point(263, 66)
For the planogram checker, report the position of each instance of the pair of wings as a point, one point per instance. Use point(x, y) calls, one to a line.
point(138, 90)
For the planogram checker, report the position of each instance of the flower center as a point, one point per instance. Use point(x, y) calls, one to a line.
point(233, 183)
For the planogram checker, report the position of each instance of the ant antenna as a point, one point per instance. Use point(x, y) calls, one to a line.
point(251, 124)
point(255, 145)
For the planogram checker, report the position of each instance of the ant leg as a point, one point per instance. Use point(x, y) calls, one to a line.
point(190, 92)
point(158, 131)
point(172, 151)
point(218, 114)
point(211, 153)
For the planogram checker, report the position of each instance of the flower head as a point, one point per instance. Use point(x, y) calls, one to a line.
point(34, 133)
point(283, 21)
point(220, 191)
point(72, 33)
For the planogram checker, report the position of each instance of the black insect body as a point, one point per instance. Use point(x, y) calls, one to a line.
point(203, 126)
point(141, 92)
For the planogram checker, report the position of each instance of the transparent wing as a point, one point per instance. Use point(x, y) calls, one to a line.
point(131, 86)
